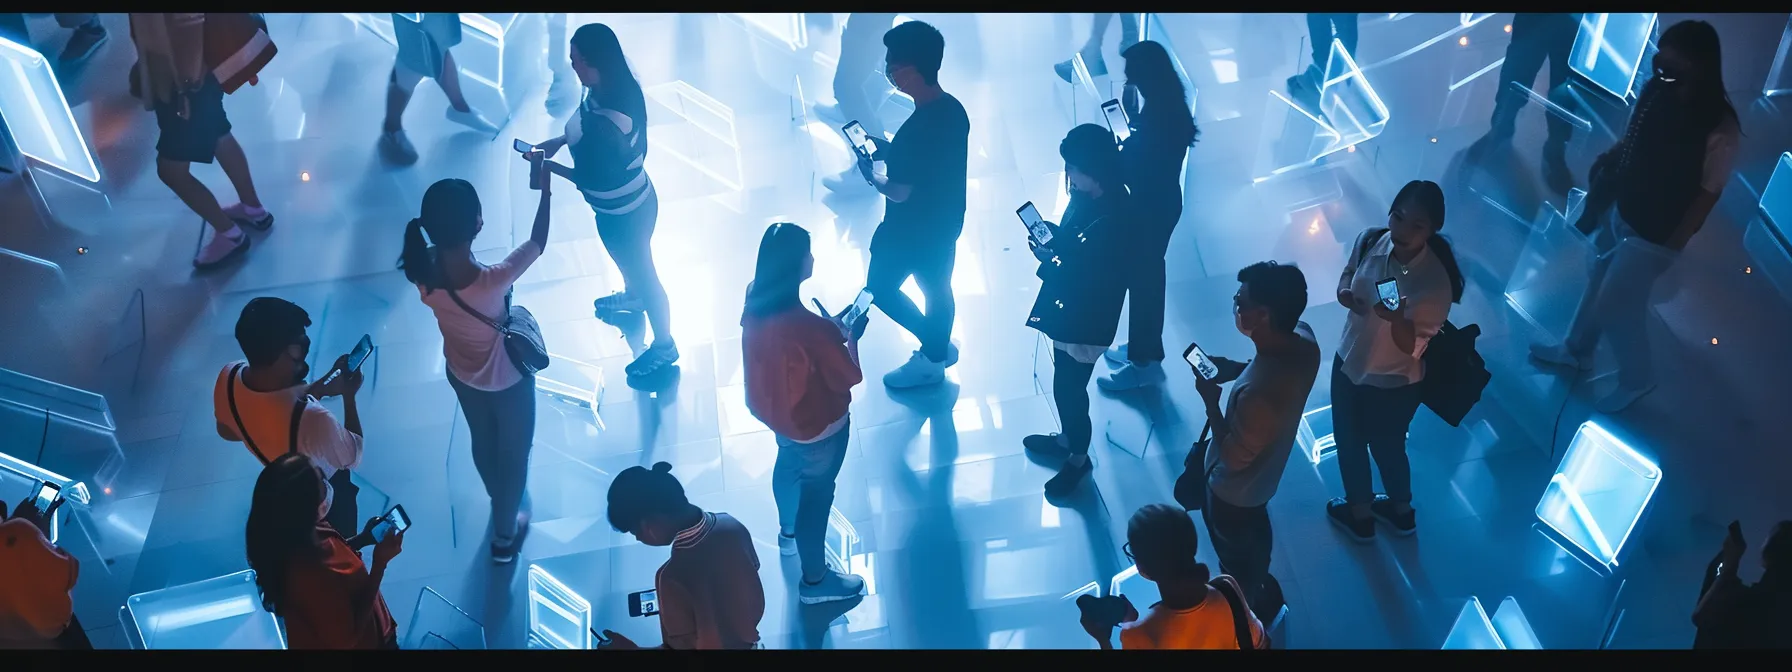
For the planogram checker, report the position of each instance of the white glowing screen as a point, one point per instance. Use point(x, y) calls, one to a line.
point(1599, 493)
point(37, 115)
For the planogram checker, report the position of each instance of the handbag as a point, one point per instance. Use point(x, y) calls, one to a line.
point(237, 47)
point(1455, 375)
point(344, 514)
point(1191, 486)
point(522, 335)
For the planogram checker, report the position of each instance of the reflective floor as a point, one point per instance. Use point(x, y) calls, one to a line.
point(955, 539)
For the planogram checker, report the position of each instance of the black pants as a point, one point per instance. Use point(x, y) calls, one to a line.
point(1070, 390)
point(861, 56)
point(1372, 420)
point(1242, 538)
point(1536, 38)
point(1145, 282)
point(1322, 28)
point(931, 266)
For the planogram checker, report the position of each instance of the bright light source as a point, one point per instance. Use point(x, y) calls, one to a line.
point(1714, 340)
point(305, 176)
point(1463, 41)
point(1598, 494)
point(1508, 27)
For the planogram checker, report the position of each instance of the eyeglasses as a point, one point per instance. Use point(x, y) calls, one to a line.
point(1127, 549)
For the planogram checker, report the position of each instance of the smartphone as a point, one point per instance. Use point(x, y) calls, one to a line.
point(1204, 366)
point(1110, 609)
point(47, 494)
point(1029, 216)
point(1116, 117)
point(358, 356)
point(394, 521)
point(860, 306)
point(522, 147)
point(1389, 291)
point(861, 141)
point(644, 603)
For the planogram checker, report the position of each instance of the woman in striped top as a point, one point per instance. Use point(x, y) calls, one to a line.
point(608, 141)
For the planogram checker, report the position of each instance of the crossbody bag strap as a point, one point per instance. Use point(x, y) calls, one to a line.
point(230, 391)
point(298, 413)
point(482, 318)
point(1241, 625)
point(1368, 242)
point(1207, 435)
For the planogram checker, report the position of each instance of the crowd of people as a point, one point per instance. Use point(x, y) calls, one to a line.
point(305, 537)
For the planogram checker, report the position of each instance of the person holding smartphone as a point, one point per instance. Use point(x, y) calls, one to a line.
point(1734, 615)
point(710, 596)
point(268, 402)
point(1380, 360)
point(1198, 610)
point(1255, 433)
point(924, 190)
point(800, 369)
point(1078, 307)
point(608, 141)
point(1163, 130)
point(36, 608)
point(468, 298)
point(308, 573)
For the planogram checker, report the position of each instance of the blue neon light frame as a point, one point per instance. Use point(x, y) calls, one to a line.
point(552, 607)
point(1608, 51)
point(1598, 494)
point(1776, 199)
point(37, 115)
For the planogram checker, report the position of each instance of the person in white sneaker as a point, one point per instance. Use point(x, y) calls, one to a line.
point(607, 138)
point(709, 590)
point(171, 78)
point(1163, 129)
point(860, 48)
point(1078, 307)
point(1664, 177)
point(1091, 51)
point(424, 43)
point(924, 192)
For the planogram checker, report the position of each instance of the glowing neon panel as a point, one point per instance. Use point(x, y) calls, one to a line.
point(1776, 197)
point(1315, 438)
point(1608, 51)
point(220, 613)
point(1552, 270)
point(1473, 630)
point(842, 542)
point(1141, 592)
point(1599, 493)
point(1348, 113)
point(792, 30)
point(558, 617)
point(1514, 629)
point(37, 116)
point(1779, 77)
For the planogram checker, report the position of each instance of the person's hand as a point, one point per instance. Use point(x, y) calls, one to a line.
point(614, 641)
point(1041, 252)
point(385, 551)
point(866, 170)
point(878, 144)
point(1210, 390)
point(1734, 545)
point(1099, 614)
point(1229, 370)
point(551, 147)
point(1398, 314)
point(1347, 299)
point(538, 166)
point(27, 511)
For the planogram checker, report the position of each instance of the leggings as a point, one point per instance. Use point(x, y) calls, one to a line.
point(629, 239)
point(503, 427)
point(1070, 390)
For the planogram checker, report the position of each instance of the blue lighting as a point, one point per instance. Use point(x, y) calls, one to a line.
point(1473, 630)
point(1315, 437)
point(1779, 77)
point(1514, 629)
point(1608, 51)
point(220, 613)
point(1598, 494)
point(791, 30)
point(1350, 113)
point(36, 114)
point(558, 617)
point(842, 542)
point(1140, 591)
point(1776, 198)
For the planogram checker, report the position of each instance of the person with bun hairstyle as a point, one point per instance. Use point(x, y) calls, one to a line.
point(1198, 610)
point(709, 590)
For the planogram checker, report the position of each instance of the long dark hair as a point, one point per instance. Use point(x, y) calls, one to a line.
point(1148, 68)
point(451, 216)
point(282, 527)
point(778, 273)
point(616, 85)
point(1429, 198)
point(1698, 41)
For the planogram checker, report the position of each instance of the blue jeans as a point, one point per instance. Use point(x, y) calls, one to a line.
point(803, 486)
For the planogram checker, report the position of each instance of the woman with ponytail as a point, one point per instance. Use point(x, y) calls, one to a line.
point(467, 297)
point(1380, 360)
point(1198, 610)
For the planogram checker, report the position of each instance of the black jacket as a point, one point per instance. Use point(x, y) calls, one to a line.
point(1085, 282)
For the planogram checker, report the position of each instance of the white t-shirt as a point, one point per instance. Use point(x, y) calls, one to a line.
point(267, 416)
point(475, 351)
point(1367, 346)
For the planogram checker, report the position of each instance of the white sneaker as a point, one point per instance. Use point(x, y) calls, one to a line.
point(833, 587)
point(472, 119)
point(1559, 355)
point(221, 247)
point(1117, 354)
point(1132, 376)
point(1622, 398)
point(830, 113)
point(918, 372)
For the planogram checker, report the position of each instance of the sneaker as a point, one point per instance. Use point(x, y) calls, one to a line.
point(1131, 377)
point(1560, 356)
point(1047, 445)
point(1622, 398)
point(1069, 477)
point(254, 218)
point(471, 118)
point(505, 551)
point(620, 302)
point(786, 544)
point(830, 113)
point(1479, 150)
point(659, 356)
point(397, 148)
point(84, 42)
point(1360, 529)
point(1067, 69)
point(833, 587)
point(1118, 355)
point(1555, 170)
point(1383, 510)
point(221, 247)
point(918, 372)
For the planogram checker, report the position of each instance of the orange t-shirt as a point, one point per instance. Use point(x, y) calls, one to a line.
point(35, 578)
point(1206, 626)
point(320, 601)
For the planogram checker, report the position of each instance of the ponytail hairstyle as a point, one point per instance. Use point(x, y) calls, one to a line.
point(1429, 199)
point(452, 217)
point(778, 273)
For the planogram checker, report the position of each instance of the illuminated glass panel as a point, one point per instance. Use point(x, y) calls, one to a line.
point(1779, 77)
point(700, 134)
point(1776, 198)
point(1090, 588)
point(842, 542)
point(1552, 271)
point(558, 617)
point(1599, 493)
point(1141, 592)
point(220, 613)
point(1349, 113)
point(62, 401)
point(36, 114)
point(1473, 630)
point(1608, 51)
point(574, 385)
point(437, 624)
point(1514, 629)
point(1472, 18)
point(1315, 436)
point(792, 30)
point(1348, 103)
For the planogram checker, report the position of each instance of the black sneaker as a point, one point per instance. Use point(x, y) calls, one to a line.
point(1360, 529)
point(506, 553)
point(1555, 170)
point(1046, 445)
point(1068, 478)
point(1403, 525)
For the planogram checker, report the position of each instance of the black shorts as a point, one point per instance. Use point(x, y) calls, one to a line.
point(194, 139)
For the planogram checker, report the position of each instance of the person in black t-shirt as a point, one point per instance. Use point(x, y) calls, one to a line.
point(1734, 615)
point(924, 191)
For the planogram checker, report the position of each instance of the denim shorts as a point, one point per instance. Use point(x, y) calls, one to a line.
point(195, 138)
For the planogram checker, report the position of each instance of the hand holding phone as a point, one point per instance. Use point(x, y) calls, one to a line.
point(861, 140)
point(1037, 228)
point(1203, 365)
point(1389, 292)
point(47, 495)
point(522, 147)
point(394, 522)
point(1116, 118)
point(1734, 544)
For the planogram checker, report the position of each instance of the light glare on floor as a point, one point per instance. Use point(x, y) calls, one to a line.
point(1508, 27)
point(1714, 340)
point(305, 176)
point(1462, 40)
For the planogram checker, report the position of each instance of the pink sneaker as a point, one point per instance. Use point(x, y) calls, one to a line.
point(222, 247)
point(254, 218)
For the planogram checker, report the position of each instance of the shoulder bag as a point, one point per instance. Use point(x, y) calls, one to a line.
point(1191, 486)
point(522, 335)
point(344, 515)
point(1241, 623)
